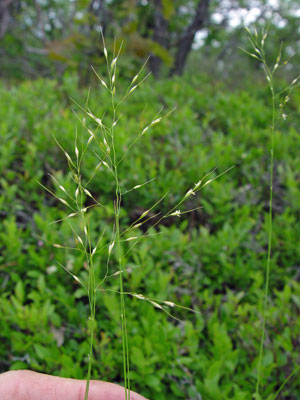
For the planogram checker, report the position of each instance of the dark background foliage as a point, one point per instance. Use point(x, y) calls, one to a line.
point(213, 260)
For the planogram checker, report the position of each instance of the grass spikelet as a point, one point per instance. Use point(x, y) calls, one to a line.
point(58, 246)
point(111, 246)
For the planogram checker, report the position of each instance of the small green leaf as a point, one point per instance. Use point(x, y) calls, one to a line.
point(20, 292)
point(154, 382)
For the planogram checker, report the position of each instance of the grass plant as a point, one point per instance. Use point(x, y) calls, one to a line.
point(103, 134)
point(51, 324)
point(279, 99)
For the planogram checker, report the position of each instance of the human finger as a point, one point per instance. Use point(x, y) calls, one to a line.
point(29, 385)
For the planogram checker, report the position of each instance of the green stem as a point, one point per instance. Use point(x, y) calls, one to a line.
point(92, 303)
point(87, 387)
point(118, 194)
point(286, 381)
point(270, 230)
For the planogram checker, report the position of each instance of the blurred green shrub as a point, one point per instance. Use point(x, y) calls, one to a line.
point(217, 264)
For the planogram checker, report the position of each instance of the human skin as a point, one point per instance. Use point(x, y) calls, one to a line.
point(29, 385)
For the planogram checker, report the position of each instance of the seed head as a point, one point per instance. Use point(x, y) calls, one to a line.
point(207, 182)
point(62, 188)
point(72, 215)
point(176, 213)
point(111, 246)
point(63, 201)
point(68, 157)
point(132, 89)
point(104, 84)
point(169, 303)
point(145, 130)
point(197, 185)
point(156, 304)
point(137, 225)
point(113, 63)
point(76, 278)
point(144, 214)
point(139, 296)
point(134, 79)
point(189, 193)
point(79, 240)
point(88, 193)
point(156, 121)
point(131, 238)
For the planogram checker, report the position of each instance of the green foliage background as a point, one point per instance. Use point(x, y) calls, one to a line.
point(213, 260)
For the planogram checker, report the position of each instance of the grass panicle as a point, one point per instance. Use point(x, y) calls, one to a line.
point(104, 136)
point(279, 99)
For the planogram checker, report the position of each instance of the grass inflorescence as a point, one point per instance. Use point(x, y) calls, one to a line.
point(279, 99)
point(99, 139)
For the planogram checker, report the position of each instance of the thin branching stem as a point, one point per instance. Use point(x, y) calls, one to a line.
point(269, 252)
point(117, 207)
point(259, 53)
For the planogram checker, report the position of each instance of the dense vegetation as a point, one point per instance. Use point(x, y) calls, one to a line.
point(212, 259)
point(209, 256)
point(48, 37)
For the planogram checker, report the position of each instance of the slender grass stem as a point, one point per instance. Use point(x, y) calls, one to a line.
point(87, 387)
point(92, 304)
point(117, 207)
point(286, 381)
point(259, 53)
point(269, 252)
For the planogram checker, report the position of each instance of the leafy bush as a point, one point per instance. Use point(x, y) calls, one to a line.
point(213, 261)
